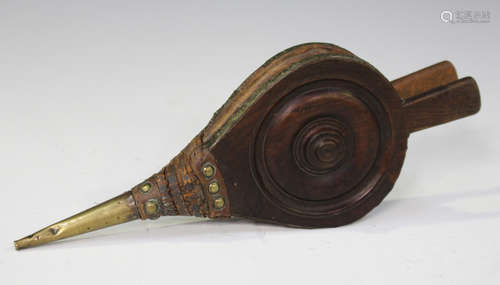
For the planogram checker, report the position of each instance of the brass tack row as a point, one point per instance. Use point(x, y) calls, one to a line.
point(219, 203)
point(208, 170)
point(213, 188)
point(151, 207)
point(145, 187)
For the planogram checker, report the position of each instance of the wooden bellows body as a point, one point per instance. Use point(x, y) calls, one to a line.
point(315, 137)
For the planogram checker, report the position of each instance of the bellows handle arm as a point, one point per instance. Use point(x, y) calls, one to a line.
point(434, 96)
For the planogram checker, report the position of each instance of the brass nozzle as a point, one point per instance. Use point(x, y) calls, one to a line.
point(115, 211)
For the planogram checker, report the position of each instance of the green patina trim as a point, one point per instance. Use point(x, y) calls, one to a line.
point(236, 116)
point(295, 47)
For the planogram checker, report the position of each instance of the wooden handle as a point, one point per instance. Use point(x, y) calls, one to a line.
point(433, 96)
point(431, 77)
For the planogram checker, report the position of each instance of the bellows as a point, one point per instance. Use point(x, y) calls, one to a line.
point(315, 137)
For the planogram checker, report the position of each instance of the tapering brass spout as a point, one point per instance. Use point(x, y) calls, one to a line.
point(180, 188)
point(115, 211)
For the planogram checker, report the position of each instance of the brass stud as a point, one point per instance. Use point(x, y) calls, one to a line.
point(151, 207)
point(213, 187)
point(208, 170)
point(219, 203)
point(145, 187)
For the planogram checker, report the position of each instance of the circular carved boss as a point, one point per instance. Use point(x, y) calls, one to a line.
point(328, 141)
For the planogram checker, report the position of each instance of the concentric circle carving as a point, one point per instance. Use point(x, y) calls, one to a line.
point(318, 146)
point(322, 145)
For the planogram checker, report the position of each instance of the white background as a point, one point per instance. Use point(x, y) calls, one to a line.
point(97, 95)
